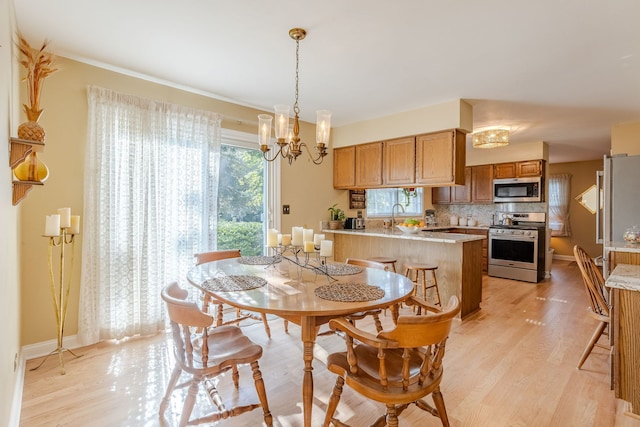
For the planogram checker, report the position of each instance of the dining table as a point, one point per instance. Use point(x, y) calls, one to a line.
point(305, 291)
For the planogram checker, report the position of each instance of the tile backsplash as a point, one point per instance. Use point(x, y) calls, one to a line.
point(484, 213)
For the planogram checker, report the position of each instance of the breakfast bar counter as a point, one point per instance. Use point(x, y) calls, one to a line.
point(458, 257)
point(624, 285)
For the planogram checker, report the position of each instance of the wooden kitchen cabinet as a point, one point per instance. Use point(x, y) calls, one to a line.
point(440, 195)
point(462, 193)
point(478, 187)
point(530, 168)
point(504, 170)
point(369, 165)
point(344, 167)
point(519, 169)
point(482, 183)
point(485, 247)
point(399, 162)
point(440, 158)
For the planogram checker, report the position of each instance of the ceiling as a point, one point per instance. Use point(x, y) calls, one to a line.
point(557, 71)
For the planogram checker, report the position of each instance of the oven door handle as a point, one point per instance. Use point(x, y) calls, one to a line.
point(518, 238)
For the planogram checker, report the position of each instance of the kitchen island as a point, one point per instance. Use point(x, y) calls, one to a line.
point(458, 257)
point(623, 282)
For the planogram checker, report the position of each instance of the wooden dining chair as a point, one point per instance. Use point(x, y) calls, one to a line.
point(600, 309)
point(208, 300)
point(206, 354)
point(396, 367)
point(373, 313)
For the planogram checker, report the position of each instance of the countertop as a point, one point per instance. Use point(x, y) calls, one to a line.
point(625, 276)
point(450, 227)
point(425, 236)
point(622, 247)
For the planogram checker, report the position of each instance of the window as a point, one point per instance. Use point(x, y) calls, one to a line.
point(559, 198)
point(380, 202)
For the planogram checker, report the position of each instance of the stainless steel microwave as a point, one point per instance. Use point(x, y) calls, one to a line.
point(530, 189)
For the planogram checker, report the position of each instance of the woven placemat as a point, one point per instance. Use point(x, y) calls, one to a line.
point(340, 269)
point(233, 283)
point(349, 292)
point(259, 260)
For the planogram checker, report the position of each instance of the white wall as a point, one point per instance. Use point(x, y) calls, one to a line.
point(9, 261)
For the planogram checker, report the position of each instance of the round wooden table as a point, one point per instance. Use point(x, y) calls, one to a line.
point(289, 293)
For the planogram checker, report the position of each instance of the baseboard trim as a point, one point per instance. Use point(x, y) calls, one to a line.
point(44, 348)
point(16, 406)
point(564, 257)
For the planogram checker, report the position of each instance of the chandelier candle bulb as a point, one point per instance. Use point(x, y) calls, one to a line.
point(326, 248)
point(323, 127)
point(282, 121)
point(286, 240)
point(272, 238)
point(264, 126)
point(75, 224)
point(296, 236)
point(317, 238)
point(52, 225)
point(65, 217)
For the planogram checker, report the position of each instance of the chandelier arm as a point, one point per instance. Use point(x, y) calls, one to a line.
point(322, 151)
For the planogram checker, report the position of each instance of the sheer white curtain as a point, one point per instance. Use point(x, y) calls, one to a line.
point(151, 184)
point(559, 199)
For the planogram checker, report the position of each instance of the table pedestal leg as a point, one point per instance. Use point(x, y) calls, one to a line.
point(308, 335)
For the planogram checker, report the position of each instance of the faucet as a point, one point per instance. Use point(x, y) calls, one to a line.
point(393, 209)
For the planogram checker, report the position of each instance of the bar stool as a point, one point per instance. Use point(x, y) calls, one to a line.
point(423, 268)
point(385, 260)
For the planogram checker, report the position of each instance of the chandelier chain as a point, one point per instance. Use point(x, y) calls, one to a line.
point(296, 109)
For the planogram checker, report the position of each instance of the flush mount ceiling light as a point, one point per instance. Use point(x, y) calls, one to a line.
point(287, 137)
point(491, 137)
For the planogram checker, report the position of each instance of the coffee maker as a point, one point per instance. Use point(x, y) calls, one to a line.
point(430, 218)
point(359, 221)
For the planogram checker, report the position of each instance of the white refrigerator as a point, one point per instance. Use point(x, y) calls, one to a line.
point(620, 184)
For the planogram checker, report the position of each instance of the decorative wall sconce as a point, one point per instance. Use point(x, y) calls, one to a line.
point(588, 199)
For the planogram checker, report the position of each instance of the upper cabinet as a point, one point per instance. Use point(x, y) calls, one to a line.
point(440, 158)
point(344, 170)
point(519, 169)
point(399, 162)
point(424, 161)
point(482, 183)
point(478, 187)
point(369, 165)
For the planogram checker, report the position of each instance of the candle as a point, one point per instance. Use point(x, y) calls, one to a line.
point(279, 238)
point(65, 217)
point(272, 238)
point(296, 236)
point(308, 246)
point(317, 238)
point(52, 225)
point(286, 239)
point(326, 248)
point(307, 235)
point(75, 224)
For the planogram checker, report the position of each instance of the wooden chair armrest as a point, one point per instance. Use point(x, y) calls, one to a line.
point(345, 326)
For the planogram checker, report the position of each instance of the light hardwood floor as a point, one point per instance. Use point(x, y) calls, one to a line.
point(511, 364)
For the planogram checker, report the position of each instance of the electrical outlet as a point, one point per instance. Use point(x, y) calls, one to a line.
point(286, 210)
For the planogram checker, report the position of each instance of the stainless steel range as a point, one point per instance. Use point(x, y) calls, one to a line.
point(517, 251)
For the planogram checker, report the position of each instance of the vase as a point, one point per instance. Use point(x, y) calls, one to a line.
point(32, 169)
point(31, 130)
point(336, 225)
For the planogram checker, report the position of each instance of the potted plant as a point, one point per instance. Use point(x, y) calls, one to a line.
point(336, 219)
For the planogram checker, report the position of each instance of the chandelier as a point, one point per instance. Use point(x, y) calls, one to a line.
point(287, 136)
point(491, 137)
